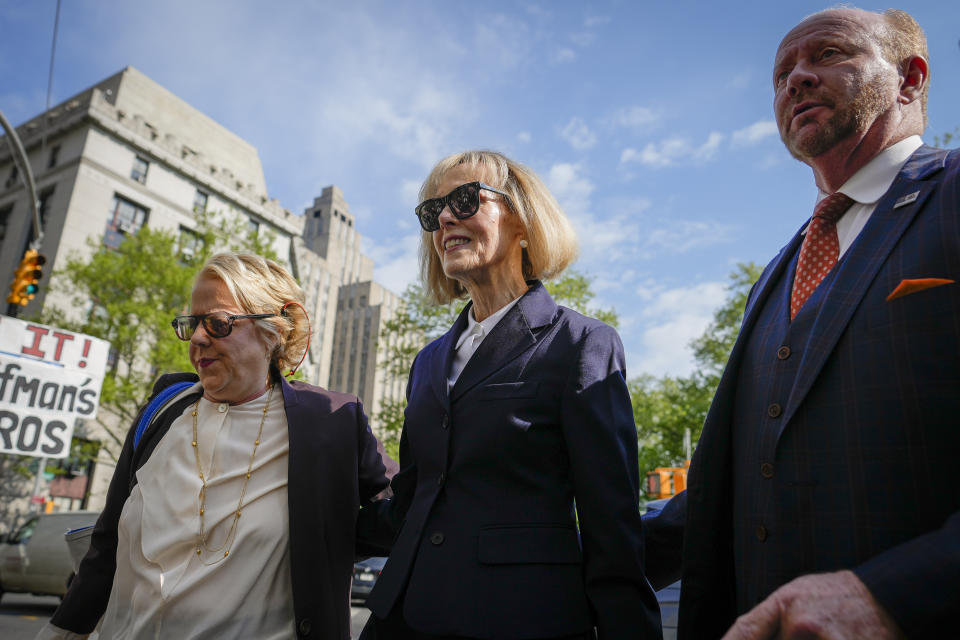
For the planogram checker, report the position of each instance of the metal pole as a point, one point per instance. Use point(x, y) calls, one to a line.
point(23, 162)
point(53, 51)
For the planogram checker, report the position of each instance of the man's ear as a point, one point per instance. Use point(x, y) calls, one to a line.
point(913, 79)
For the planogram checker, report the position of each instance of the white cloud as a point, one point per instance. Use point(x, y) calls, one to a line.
point(673, 151)
point(598, 238)
point(570, 188)
point(740, 81)
point(578, 134)
point(671, 318)
point(524, 137)
point(594, 21)
point(635, 117)
point(410, 193)
point(506, 40)
point(680, 236)
point(709, 148)
point(583, 39)
point(677, 150)
point(397, 263)
point(565, 54)
point(754, 133)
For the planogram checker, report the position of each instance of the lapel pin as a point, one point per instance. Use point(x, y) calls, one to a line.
point(905, 200)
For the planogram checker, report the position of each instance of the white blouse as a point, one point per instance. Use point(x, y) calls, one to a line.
point(162, 588)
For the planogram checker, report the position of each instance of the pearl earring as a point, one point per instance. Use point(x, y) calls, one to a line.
point(523, 244)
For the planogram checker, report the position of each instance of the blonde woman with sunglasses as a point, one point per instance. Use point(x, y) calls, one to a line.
point(515, 507)
point(232, 510)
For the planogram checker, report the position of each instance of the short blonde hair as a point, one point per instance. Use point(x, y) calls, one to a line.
point(551, 241)
point(259, 285)
point(902, 40)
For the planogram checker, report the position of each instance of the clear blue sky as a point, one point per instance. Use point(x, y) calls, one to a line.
point(651, 121)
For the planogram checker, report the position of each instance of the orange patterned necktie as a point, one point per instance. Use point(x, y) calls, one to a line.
point(820, 249)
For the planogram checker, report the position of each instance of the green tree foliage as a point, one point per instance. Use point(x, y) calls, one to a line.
point(665, 408)
point(575, 290)
point(420, 321)
point(712, 348)
point(948, 137)
point(131, 293)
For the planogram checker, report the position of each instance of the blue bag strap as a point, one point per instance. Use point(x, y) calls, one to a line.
point(155, 405)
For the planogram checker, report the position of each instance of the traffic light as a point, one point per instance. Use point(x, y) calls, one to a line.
point(26, 281)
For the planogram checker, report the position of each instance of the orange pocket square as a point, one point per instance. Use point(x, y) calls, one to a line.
point(906, 287)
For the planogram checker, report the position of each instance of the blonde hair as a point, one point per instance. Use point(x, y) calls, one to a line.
point(902, 39)
point(262, 286)
point(551, 241)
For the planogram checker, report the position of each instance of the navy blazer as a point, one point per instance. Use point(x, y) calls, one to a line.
point(489, 545)
point(875, 490)
point(334, 466)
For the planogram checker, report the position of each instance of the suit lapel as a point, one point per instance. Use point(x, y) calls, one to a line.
point(441, 357)
point(512, 336)
point(768, 280)
point(860, 266)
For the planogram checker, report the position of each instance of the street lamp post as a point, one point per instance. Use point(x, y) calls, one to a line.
point(23, 163)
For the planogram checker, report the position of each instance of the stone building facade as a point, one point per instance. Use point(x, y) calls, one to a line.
point(127, 153)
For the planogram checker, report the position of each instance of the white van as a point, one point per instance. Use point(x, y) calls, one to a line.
point(35, 558)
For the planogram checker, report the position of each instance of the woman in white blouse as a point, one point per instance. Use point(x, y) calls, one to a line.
point(232, 510)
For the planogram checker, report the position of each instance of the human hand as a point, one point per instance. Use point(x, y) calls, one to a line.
point(832, 606)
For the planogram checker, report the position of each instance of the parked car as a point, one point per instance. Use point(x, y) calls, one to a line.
point(365, 574)
point(35, 558)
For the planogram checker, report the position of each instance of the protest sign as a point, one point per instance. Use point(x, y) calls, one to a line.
point(49, 377)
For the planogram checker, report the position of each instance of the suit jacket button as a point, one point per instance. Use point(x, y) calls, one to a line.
point(445, 423)
point(774, 410)
point(436, 538)
point(783, 352)
point(761, 533)
point(766, 470)
point(304, 627)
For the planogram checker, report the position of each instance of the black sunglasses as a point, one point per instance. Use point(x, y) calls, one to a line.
point(464, 201)
point(218, 324)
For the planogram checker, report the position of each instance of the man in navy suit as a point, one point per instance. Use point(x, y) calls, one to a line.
point(822, 499)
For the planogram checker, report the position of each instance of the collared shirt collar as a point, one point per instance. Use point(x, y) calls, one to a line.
point(873, 179)
point(481, 329)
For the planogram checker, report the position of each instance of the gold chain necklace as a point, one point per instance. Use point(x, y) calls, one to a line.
point(231, 534)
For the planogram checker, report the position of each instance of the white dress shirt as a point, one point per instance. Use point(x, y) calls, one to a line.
point(471, 338)
point(868, 185)
point(162, 588)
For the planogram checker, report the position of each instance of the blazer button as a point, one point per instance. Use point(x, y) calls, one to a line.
point(441, 479)
point(783, 352)
point(436, 538)
point(774, 410)
point(445, 423)
point(304, 627)
point(761, 533)
point(766, 470)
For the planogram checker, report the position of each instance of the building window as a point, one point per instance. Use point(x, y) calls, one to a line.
point(4, 218)
point(54, 155)
point(124, 217)
point(43, 208)
point(199, 201)
point(139, 171)
point(191, 244)
point(12, 178)
point(253, 227)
